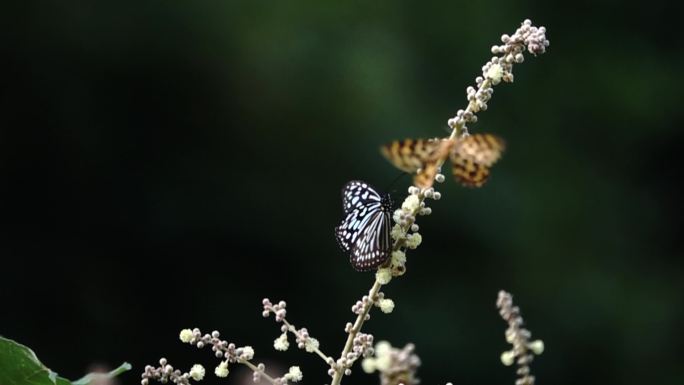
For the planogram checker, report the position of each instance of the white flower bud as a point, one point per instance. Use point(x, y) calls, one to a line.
point(197, 372)
point(413, 240)
point(398, 258)
point(294, 374)
point(186, 335)
point(247, 353)
point(398, 216)
point(411, 203)
point(537, 347)
point(386, 305)
point(383, 362)
point(368, 365)
point(281, 343)
point(397, 232)
point(383, 276)
point(382, 348)
point(222, 370)
point(507, 358)
point(311, 344)
point(495, 73)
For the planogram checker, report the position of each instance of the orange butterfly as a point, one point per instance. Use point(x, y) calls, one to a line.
point(471, 157)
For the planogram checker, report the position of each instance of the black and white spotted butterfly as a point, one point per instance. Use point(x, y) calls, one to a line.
point(365, 230)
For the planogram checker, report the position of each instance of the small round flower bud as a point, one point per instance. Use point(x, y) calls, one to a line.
point(440, 178)
point(347, 372)
point(507, 358)
point(348, 327)
point(537, 347)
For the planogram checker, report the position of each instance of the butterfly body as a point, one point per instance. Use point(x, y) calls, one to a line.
point(365, 230)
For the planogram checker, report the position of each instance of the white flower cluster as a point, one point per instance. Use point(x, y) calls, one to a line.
point(394, 365)
point(221, 370)
point(362, 346)
point(279, 309)
point(221, 348)
point(386, 305)
point(405, 231)
point(197, 372)
point(166, 373)
point(294, 374)
point(281, 343)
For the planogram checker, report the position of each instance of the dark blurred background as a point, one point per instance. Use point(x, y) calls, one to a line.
point(168, 164)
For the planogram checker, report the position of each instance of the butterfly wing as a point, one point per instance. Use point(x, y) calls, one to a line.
point(471, 158)
point(372, 248)
point(365, 230)
point(357, 194)
point(420, 156)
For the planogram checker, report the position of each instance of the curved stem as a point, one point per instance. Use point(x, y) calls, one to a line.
point(256, 369)
point(294, 331)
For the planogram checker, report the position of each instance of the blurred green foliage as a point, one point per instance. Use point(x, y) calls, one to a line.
point(20, 366)
point(175, 162)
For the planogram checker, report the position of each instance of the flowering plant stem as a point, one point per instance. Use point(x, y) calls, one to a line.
point(257, 370)
point(374, 290)
point(394, 365)
point(316, 350)
point(372, 293)
point(498, 69)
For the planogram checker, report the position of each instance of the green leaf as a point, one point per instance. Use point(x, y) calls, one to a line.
point(20, 366)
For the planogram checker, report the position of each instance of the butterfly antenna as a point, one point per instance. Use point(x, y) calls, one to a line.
point(392, 192)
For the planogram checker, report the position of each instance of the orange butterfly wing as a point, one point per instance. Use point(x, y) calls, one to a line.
point(420, 156)
point(472, 156)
